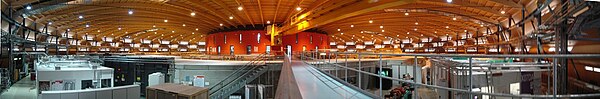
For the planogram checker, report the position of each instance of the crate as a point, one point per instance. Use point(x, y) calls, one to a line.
point(176, 91)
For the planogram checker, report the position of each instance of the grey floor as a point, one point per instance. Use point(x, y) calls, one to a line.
point(23, 89)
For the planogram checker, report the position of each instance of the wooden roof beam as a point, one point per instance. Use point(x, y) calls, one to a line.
point(347, 11)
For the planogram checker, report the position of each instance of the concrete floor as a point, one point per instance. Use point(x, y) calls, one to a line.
point(23, 89)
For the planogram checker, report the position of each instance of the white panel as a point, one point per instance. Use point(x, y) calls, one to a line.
point(163, 49)
point(183, 50)
point(406, 41)
point(107, 39)
point(379, 46)
point(369, 43)
point(341, 46)
point(450, 49)
point(83, 49)
point(154, 45)
point(127, 40)
point(95, 43)
point(88, 37)
point(350, 43)
point(429, 50)
point(104, 49)
point(145, 41)
point(332, 43)
point(165, 42)
point(184, 42)
point(174, 46)
point(114, 44)
point(201, 43)
point(360, 46)
point(75, 42)
point(387, 42)
point(193, 46)
point(427, 39)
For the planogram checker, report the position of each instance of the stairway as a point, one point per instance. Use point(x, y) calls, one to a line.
point(239, 78)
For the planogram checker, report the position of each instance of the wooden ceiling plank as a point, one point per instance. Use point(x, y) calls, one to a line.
point(226, 8)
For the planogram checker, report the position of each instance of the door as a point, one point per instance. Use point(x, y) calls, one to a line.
point(231, 50)
point(268, 49)
point(289, 49)
point(248, 49)
point(219, 50)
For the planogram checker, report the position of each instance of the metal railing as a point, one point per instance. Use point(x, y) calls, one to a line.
point(239, 78)
point(329, 62)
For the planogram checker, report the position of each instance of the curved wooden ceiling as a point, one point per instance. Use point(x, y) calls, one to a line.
point(105, 17)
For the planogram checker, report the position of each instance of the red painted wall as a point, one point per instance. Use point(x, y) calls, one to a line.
point(249, 37)
point(320, 40)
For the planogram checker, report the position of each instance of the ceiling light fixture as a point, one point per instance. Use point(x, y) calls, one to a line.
point(193, 13)
point(339, 29)
point(50, 23)
point(382, 30)
point(130, 12)
point(342, 33)
point(28, 7)
point(221, 24)
point(183, 25)
point(454, 18)
point(193, 33)
point(502, 11)
point(119, 28)
point(98, 31)
point(268, 22)
point(298, 8)
point(153, 26)
point(416, 23)
point(230, 17)
point(80, 17)
point(172, 31)
point(447, 27)
point(370, 21)
point(449, 1)
point(381, 26)
point(196, 29)
point(407, 32)
point(165, 20)
point(352, 25)
point(406, 13)
point(240, 8)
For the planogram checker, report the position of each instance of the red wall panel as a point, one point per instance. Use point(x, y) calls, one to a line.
point(249, 37)
point(304, 39)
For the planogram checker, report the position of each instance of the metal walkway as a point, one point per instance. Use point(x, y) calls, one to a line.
point(300, 78)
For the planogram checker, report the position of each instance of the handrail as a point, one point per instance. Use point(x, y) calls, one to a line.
point(470, 55)
point(236, 72)
point(479, 55)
